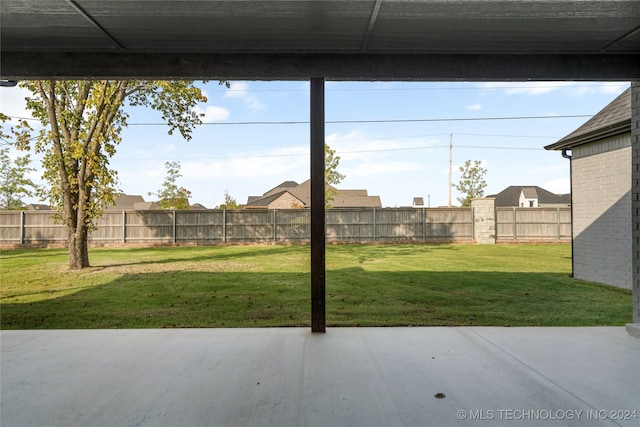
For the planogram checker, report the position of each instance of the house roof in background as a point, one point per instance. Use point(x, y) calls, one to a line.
point(38, 207)
point(342, 201)
point(510, 196)
point(341, 198)
point(281, 187)
point(264, 202)
point(613, 119)
point(530, 192)
point(125, 202)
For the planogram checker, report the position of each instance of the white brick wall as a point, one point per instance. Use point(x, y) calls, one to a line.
point(602, 211)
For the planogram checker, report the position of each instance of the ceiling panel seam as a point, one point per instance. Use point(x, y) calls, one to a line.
point(621, 38)
point(372, 24)
point(94, 22)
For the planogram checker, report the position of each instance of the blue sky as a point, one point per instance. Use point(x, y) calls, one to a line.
point(395, 160)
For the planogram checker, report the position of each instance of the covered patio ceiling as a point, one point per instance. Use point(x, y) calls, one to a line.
point(335, 39)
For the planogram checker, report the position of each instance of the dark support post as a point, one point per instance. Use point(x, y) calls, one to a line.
point(318, 317)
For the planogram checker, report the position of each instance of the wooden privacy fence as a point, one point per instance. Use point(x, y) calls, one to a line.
point(247, 226)
point(533, 224)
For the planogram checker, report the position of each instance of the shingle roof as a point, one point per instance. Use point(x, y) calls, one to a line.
point(254, 202)
point(510, 196)
point(281, 187)
point(302, 192)
point(339, 201)
point(613, 119)
point(38, 207)
point(126, 202)
point(548, 198)
point(197, 206)
point(530, 192)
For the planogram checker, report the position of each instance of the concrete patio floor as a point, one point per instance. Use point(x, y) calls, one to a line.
point(346, 377)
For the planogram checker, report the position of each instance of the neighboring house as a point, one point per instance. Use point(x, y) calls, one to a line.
point(601, 160)
point(37, 207)
point(291, 195)
point(125, 202)
point(418, 202)
point(518, 196)
point(197, 207)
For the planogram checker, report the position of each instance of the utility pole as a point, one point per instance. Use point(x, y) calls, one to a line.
point(450, 166)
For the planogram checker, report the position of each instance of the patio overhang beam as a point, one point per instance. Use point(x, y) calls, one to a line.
point(18, 65)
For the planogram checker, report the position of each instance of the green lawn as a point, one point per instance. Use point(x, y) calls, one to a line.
point(249, 286)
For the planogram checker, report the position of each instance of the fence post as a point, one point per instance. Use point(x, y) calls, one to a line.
point(174, 226)
point(473, 223)
point(224, 226)
point(124, 226)
point(273, 213)
point(424, 224)
point(515, 225)
point(558, 224)
point(374, 224)
point(22, 226)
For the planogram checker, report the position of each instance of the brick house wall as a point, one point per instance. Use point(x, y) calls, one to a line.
point(286, 201)
point(635, 196)
point(601, 176)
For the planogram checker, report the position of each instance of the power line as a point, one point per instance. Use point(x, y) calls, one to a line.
point(450, 119)
point(425, 147)
point(304, 122)
point(241, 145)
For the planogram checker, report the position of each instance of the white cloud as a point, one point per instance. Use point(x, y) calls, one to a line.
point(12, 102)
point(569, 87)
point(599, 88)
point(292, 160)
point(368, 168)
point(558, 186)
point(474, 107)
point(530, 88)
point(550, 169)
point(613, 87)
point(356, 144)
point(240, 90)
point(213, 113)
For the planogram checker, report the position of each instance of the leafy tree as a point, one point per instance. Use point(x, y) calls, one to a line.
point(82, 122)
point(472, 182)
point(14, 185)
point(331, 174)
point(229, 202)
point(170, 195)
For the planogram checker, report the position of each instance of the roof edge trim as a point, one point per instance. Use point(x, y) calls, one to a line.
point(613, 130)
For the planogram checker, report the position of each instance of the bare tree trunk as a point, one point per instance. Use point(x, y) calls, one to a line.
point(78, 251)
point(77, 240)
